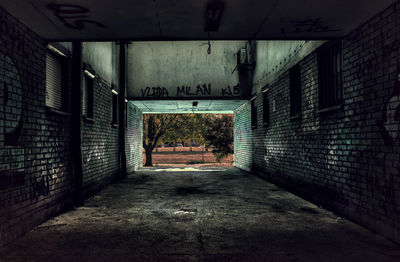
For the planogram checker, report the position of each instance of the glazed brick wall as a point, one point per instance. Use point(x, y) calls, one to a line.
point(347, 160)
point(35, 181)
point(242, 137)
point(134, 134)
point(100, 148)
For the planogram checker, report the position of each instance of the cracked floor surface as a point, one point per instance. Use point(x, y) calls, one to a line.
point(198, 214)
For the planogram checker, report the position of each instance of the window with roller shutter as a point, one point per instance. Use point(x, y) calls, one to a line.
point(56, 87)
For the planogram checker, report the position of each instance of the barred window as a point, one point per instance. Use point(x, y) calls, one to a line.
point(295, 91)
point(56, 80)
point(265, 108)
point(330, 76)
point(253, 113)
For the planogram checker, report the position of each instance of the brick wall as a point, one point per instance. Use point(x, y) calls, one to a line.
point(100, 141)
point(242, 137)
point(36, 180)
point(347, 160)
point(134, 133)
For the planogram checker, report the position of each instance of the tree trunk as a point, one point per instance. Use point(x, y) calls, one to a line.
point(149, 160)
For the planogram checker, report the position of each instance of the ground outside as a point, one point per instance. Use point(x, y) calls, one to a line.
point(198, 214)
point(182, 156)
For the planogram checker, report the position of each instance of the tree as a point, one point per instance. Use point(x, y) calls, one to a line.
point(219, 134)
point(159, 128)
point(154, 127)
point(213, 130)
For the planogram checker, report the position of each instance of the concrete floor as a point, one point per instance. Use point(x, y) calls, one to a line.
point(217, 214)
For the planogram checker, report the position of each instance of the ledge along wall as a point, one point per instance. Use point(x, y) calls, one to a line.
point(349, 159)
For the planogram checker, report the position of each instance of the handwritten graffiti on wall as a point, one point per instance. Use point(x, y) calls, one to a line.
point(9, 37)
point(392, 113)
point(392, 47)
point(73, 16)
point(12, 158)
point(315, 25)
point(40, 186)
point(188, 91)
point(12, 164)
point(234, 91)
point(155, 92)
point(11, 98)
point(392, 123)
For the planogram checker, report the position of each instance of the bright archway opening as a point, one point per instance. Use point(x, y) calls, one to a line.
point(187, 140)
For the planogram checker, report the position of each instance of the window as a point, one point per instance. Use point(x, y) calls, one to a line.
point(265, 108)
point(114, 116)
point(295, 91)
point(56, 80)
point(330, 76)
point(87, 94)
point(253, 113)
point(126, 112)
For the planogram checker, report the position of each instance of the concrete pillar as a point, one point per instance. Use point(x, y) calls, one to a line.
point(122, 88)
point(76, 123)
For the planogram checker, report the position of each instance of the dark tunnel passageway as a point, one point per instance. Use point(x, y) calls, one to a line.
point(314, 90)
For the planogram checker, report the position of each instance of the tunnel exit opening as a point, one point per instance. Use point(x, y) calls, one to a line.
point(187, 140)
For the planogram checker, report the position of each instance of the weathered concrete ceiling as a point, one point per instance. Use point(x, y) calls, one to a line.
point(184, 70)
point(187, 106)
point(185, 20)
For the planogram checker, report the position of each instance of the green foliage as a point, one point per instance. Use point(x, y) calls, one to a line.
point(219, 134)
point(156, 126)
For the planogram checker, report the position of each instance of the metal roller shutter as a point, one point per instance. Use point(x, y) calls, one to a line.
point(53, 81)
point(85, 96)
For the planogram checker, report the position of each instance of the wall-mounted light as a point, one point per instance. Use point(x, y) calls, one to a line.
point(214, 11)
point(89, 74)
point(114, 91)
point(56, 50)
